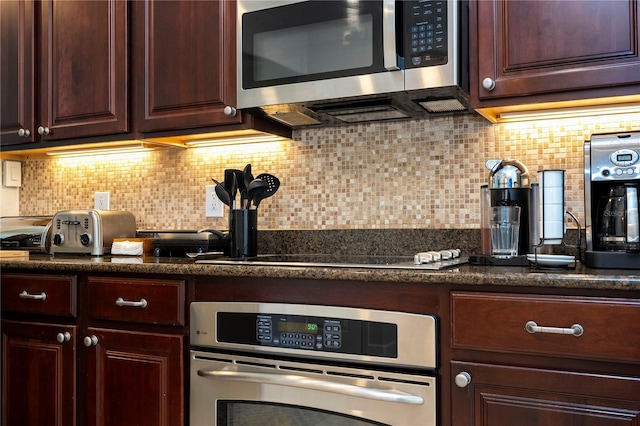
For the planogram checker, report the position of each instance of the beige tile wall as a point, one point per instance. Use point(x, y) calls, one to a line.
point(403, 174)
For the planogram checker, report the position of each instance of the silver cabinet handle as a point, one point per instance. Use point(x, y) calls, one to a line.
point(463, 379)
point(91, 340)
point(141, 304)
point(24, 133)
point(389, 395)
point(63, 337)
point(230, 111)
point(43, 130)
point(575, 329)
point(25, 295)
point(489, 84)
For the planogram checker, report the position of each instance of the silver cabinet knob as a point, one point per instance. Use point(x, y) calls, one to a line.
point(463, 379)
point(63, 337)
point(43, 130)
point(24, 133)
point(91, 340)
point(489, 84)
point(230, 111)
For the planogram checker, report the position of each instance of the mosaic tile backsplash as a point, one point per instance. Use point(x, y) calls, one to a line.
point(423, 174)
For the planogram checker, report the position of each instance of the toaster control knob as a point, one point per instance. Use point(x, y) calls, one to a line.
point(85, 239)
point(58, 239)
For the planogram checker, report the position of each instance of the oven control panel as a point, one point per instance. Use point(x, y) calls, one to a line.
point(298, 333)
point(331, 332)
point(315, 333)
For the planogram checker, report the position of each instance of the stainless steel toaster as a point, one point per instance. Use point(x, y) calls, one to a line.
point(90, 231)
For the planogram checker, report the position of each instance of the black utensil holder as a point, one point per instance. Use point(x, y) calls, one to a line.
point(243, 233)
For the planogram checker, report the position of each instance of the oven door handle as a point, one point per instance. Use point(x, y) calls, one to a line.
point(389, 395)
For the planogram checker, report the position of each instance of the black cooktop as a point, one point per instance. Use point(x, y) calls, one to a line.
point(333, 261)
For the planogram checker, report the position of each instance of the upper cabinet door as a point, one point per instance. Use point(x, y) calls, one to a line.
point(542, 47)
point(17, 108)
point(184, 64)
point(83, 80)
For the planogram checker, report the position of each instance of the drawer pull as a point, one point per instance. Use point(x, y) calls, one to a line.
point(575, 329)
point(141, 304)
point(25, 295)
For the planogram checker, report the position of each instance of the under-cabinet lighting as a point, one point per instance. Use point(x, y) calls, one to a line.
point(234, 140)
point(119, 149)
point(585, 111)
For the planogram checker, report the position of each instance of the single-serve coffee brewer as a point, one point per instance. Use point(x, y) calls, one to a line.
point(507, 203)
point(611, 182)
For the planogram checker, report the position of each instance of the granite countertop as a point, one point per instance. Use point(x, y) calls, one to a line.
point(466, 274)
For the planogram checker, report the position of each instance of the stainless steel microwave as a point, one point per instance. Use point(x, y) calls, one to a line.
point(306, 62)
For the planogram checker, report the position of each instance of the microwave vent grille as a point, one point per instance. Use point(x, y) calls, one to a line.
point(442, 105)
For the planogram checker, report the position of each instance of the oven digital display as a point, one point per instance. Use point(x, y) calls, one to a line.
point(298, 327)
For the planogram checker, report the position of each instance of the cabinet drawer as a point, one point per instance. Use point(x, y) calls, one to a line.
point(40, 294)
point(498, 322)
point(148, 301)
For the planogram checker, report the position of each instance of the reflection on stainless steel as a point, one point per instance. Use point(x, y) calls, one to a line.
point(338, 261)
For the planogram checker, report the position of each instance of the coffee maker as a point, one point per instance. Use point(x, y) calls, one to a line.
point(509, 185)
point(611, 183)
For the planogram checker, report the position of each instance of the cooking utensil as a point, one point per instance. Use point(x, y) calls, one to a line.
point(247, 176)
point(255, 188)
point(273, 183)
point(234, 190)
point(228, 178)
point(222, 193)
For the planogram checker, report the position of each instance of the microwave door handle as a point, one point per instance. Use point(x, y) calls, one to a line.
point(389, 35)
point(388, 395)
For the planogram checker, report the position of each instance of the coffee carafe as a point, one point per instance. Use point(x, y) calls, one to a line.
point(617, 219)
point(611, 181)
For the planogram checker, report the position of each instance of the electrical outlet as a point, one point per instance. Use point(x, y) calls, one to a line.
point(101, 200)
point(214, 207)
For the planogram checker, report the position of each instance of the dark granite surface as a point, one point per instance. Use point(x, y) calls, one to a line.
point(580, 277)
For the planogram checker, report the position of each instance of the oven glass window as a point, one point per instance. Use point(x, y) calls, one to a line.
point(242, 413)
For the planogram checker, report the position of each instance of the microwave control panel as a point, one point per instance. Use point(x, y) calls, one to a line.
point(425, 33)
point(312, 333)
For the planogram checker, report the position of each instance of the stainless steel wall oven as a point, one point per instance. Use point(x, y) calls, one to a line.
point(274, 364)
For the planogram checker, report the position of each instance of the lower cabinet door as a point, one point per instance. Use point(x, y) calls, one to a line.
point(134, 378)
point(38, 374)
point(493, 395)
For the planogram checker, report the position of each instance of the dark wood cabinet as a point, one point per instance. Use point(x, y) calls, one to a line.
point(39, 349)
point(535, 51)
point(17, 82)
point(67, 70)
point(184, 64)
point(83, 67)
point(127, 368)
point(38, 374)
point(578, 368)
point(498, 395)
point(93, 350)
point(134, 378)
